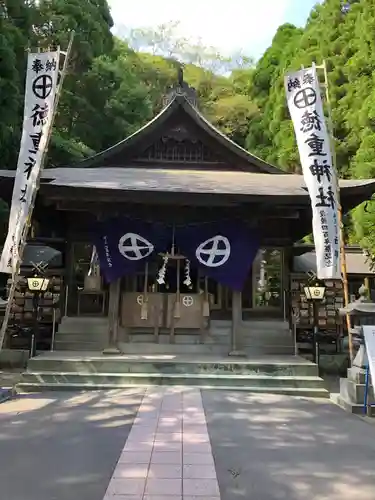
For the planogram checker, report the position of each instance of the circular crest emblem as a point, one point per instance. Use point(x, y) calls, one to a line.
point(304, 98)
point(213, 252)
point(42, 86)
point(140, 300)
point(188, 301)
point(134, 247)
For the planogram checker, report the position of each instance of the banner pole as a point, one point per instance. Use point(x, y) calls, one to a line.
point(339, 208)
point(25, 232)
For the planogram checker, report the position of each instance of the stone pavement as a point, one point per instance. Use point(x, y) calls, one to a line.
point(168, 453)
point(182, 444)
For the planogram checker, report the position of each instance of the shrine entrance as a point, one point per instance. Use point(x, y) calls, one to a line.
point(186, 300)
point(263, 294)
point(172, 299)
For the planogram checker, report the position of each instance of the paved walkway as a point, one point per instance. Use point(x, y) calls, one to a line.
point(174, 444)
point(168, 452)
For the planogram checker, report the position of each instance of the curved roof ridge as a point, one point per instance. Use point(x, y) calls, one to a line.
point(234, 146)
point(180, 101)
point(162, 115)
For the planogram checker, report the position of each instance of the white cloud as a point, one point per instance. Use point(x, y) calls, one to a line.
point(247, 25)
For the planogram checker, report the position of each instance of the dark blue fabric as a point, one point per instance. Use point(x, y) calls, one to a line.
point(124, 245)
point(224, 251)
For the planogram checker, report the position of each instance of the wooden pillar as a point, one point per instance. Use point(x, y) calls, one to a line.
point(69, 305)
point(236, 331)
point(113, 317)
point(287, 265)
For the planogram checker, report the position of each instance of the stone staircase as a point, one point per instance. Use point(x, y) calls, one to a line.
point(82, 334)
point(259, 338)
point(287, 375)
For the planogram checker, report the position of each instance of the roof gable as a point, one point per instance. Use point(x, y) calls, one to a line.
point(180, 135)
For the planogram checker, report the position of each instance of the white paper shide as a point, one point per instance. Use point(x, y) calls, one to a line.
point(306, 110)
point(40, 92)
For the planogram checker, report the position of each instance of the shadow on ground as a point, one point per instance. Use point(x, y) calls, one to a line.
point(281, 448)
point(59, 446)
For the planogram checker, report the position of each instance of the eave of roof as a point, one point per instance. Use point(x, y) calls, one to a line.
point(179, 102)
point(202, 182)
point(356, 263)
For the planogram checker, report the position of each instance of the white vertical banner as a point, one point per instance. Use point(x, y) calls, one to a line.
point(306, 110)
point(40, 91)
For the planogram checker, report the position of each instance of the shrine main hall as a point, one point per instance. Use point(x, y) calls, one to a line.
point(194, 238)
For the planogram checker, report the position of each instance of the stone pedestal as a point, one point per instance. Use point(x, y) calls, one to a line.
point(352, 392)
point(352, 388)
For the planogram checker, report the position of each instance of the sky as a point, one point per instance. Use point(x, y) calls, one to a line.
point(237, 25)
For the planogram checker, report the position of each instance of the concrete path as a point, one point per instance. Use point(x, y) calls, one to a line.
point(280, 448)
point(62, 446)
point(182, 444)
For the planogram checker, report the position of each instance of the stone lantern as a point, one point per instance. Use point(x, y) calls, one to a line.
point(362, 312)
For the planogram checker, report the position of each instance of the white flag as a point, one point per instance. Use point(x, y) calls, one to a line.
point(40, 91)
point(306, 110)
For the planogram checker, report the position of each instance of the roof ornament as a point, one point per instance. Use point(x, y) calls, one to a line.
point(180, 75)
point(181, 88)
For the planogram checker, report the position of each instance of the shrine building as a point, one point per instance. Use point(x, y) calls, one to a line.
point(160, 207)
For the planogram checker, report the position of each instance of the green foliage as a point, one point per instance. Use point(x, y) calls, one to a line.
point(114, 86)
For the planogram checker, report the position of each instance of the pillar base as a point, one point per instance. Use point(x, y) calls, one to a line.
point(237, 354)
point(112, 350)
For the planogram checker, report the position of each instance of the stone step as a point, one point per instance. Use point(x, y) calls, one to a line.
point(229, 380)
point(186, 338)
point(349, 406)
point(356, 392)
point(182, 345)
point(179, 338)
point(61, 381)
point(165, 364)
point(84, 336)
point(67, 345)
point(84, 325)
point(293, 391)
point(346, 401)
point(146, 348)
point(149, 348)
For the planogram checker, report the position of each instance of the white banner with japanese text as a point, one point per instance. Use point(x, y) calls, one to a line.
point(306, 110)
point(40, 91)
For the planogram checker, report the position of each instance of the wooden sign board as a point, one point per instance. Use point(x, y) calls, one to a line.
point(369, 336)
